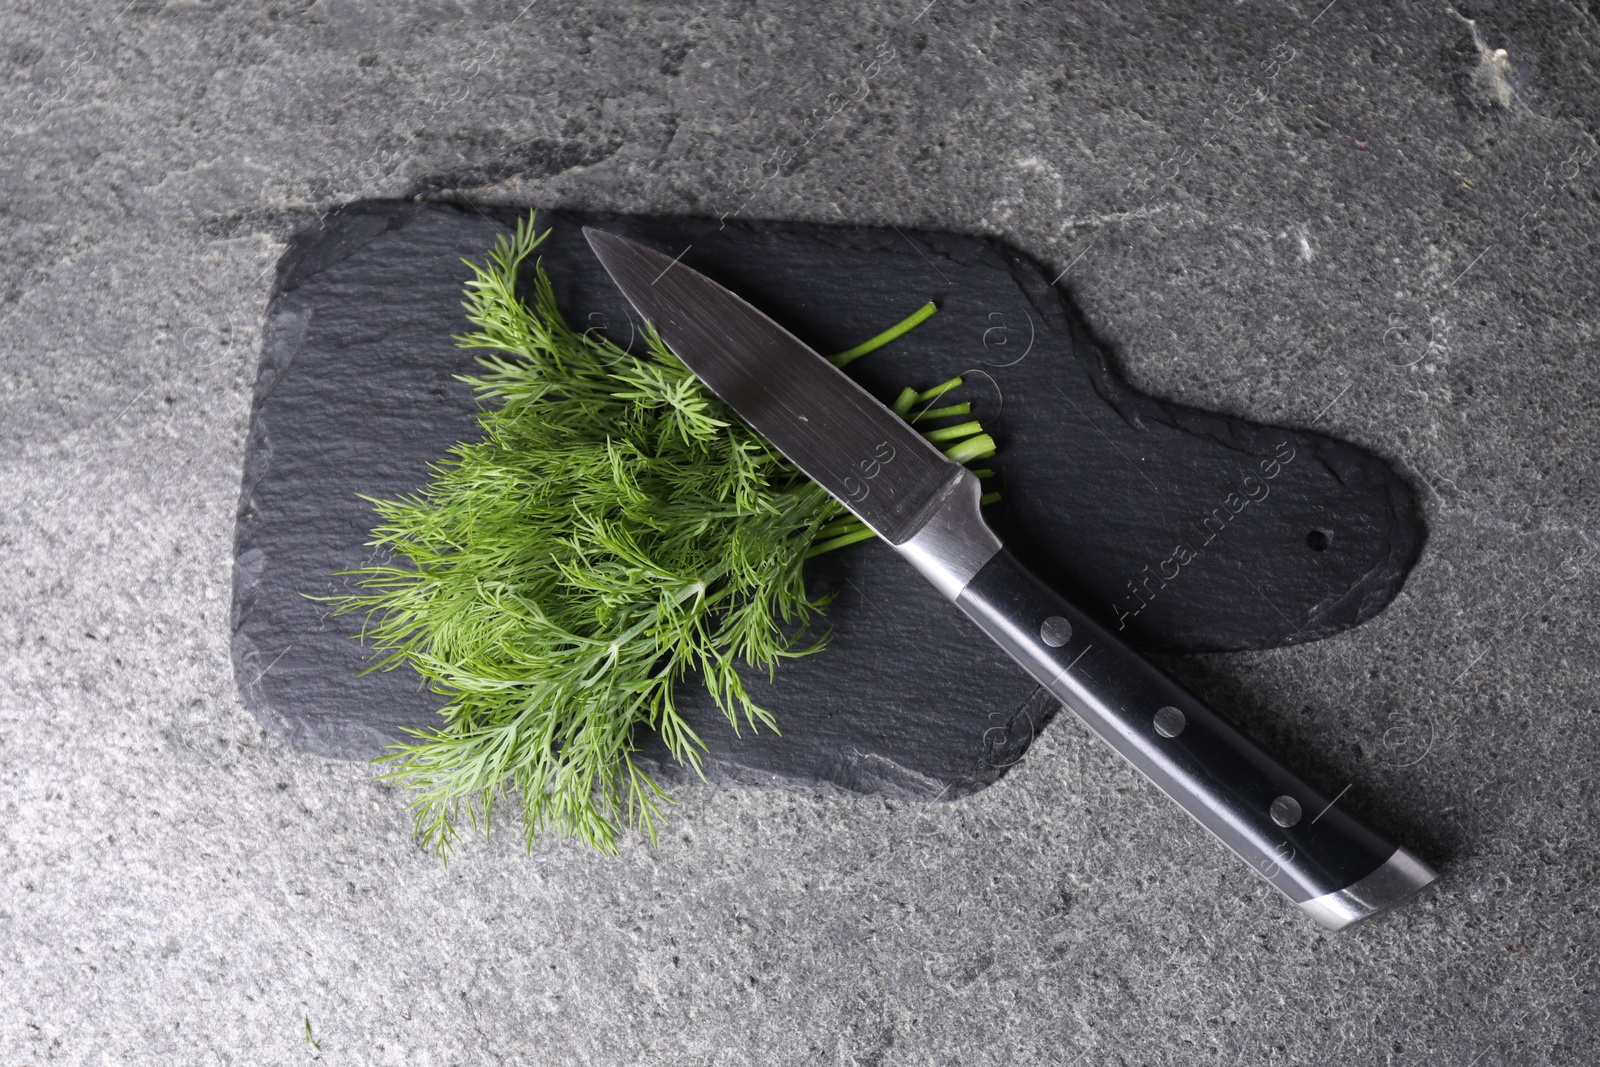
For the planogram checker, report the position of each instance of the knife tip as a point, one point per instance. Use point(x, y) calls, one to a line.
point(594, 234)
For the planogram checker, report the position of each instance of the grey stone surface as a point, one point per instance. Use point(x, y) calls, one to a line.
point(1364, 218)
point(359, 392)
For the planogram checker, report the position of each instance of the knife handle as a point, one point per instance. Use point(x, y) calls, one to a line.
point(1320, 856)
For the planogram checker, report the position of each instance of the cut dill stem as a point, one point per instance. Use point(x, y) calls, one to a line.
point(615, 531)
point(963, 408)
point(939, 390)
point(954, 433)
point(916, 318)
point(979, 447)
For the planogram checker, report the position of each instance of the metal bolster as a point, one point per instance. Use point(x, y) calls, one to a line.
point(953, 542)
point(1401, 875)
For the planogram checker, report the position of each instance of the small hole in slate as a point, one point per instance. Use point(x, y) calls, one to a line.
point(1317, 540)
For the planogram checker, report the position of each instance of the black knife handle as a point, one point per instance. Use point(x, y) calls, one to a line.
point(1320, 856)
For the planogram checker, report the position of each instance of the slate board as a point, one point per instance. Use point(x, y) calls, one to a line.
point(1287, 536)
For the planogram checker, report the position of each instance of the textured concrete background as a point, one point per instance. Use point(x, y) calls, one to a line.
point(1369, 219)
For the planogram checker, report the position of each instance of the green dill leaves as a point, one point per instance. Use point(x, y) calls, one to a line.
point(616, 529)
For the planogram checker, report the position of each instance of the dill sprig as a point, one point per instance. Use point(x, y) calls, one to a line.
point(615, 529)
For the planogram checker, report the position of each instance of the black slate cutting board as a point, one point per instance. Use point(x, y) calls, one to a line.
point(1188, 531)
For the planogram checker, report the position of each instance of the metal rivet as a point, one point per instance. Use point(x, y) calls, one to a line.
point(1170, 722)
point(1285, 811)
point(1056, 631)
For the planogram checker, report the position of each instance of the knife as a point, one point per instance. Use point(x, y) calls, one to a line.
point(1334, 867)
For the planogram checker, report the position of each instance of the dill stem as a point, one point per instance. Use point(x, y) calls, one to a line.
point(954, 433)
point(980, 447)
point(832, 543)
point(928, 397)
point(872, 344)
point(837, 526)
point(963, 408)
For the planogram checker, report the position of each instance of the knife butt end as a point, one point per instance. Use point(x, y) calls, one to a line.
point(1396, 881)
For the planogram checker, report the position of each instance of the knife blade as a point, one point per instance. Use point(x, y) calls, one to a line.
point(1330, 864)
